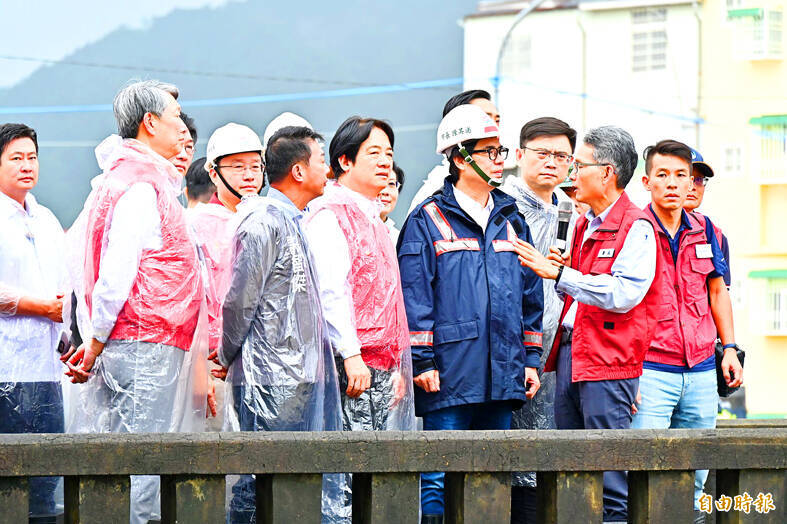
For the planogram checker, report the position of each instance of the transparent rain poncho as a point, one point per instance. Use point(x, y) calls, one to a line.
point(281, 369)
point(377, 312)
point(539, 412)
point(213, 226)
point(31, 399)
point(152, 375)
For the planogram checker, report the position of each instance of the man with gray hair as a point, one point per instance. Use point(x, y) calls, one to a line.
point(605, 325)
point(143, 286)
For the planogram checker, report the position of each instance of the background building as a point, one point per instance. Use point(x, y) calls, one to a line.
point(744, 136)
point(710, 74)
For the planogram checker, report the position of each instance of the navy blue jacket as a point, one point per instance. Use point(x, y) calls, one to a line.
point(473, 310)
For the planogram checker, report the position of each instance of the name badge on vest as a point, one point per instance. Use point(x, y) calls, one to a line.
point(703, 251)
point(606, 253)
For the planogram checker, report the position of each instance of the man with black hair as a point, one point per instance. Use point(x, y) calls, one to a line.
point(388, 198)
point(275, 341)
point(32, 285)
point(678, 388)
point(199, 186)
point(545, 152)
point(436, 177)
point(359, 280)
point(473, 311)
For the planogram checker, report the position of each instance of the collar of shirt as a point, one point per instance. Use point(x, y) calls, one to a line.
point(516, 185)
point(10, 207)
point(167, 168)
point(480, 214)
point(371, 208)
point(596, 221)
point(674, 242)
point(278, 196)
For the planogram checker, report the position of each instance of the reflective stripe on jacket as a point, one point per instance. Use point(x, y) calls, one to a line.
point(473, 310)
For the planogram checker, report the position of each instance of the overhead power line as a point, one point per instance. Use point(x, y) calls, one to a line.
point(212, 74)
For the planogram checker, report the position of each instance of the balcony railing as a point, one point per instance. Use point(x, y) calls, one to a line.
point(747, 456)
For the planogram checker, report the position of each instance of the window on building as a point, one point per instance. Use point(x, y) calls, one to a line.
point(733, 160)
point(517, 56)
point(776, 319)
point(771, 136)
point(757, 33)
point(649, 39)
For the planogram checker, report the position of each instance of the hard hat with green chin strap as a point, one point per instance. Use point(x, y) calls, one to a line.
point(466, 122)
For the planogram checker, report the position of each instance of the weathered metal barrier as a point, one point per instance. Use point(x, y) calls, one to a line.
point(288, 468)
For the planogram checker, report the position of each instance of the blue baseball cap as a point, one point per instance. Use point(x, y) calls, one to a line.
point(698, 164)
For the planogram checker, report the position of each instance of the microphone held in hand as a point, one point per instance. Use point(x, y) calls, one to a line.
point(564, 209)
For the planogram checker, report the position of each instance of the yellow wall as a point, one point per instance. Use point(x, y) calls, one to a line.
point(753, 215)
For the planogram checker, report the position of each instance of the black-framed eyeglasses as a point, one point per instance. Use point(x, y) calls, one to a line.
point(700, 181)
point(560, 157)
point(493, 152)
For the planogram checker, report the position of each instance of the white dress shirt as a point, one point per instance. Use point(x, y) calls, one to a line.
point(632, 272)
point(331, 254)
point(480, 214)
point(31, 264)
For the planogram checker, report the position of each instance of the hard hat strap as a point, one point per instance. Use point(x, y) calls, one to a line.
point(470, 160)
point(226, 184)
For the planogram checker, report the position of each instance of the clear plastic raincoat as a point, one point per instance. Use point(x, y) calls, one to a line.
point(31, 400)
point(345, 231)
point(541, 218)
point(213, 226)
point(275, 344)
point(143, 289)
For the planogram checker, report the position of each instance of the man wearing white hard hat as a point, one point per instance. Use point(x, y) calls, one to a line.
point(473, 311)
point(234, 163)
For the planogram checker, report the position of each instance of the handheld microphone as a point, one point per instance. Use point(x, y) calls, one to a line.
point(564, 209)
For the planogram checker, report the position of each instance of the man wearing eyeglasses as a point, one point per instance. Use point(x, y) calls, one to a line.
point(545, 154)
point(606, 279)
point(701, 173)
point(474, 313)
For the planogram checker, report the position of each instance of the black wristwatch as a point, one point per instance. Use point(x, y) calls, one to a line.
point(559, 274)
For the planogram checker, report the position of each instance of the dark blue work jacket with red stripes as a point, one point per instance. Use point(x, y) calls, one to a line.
point(474, 312)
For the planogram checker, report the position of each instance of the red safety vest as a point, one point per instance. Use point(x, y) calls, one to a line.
point(375, 286)
point(685, 333)
point(163, 305)
point(606, 345)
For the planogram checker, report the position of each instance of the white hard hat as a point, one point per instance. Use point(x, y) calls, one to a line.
point(285, 119)
point(229, 140)
point(465, 122)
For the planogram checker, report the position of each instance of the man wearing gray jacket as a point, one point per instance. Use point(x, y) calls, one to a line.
point(544, 155)
point(275, 342)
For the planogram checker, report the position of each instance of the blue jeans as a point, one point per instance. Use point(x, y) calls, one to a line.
point(678, 400)
point(489, 415)
point(34, 407)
